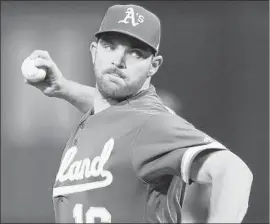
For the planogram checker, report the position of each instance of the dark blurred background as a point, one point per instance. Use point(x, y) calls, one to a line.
point(215, 66)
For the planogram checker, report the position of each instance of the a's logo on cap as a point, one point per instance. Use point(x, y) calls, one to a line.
point(135, 19)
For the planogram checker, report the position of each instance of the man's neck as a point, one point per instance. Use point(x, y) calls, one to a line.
point(101, 103)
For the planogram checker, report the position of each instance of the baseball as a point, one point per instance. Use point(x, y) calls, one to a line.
point(31, 72)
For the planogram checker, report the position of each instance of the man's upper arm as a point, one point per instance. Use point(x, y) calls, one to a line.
point(208, 165)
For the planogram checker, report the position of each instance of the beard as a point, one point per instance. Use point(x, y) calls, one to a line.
point(116, 86)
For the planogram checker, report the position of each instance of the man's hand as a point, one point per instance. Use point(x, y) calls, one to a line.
point(54, 80)
point(55, 84)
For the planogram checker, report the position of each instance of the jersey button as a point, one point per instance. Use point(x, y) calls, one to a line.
point(75, 141)
point(82, 125)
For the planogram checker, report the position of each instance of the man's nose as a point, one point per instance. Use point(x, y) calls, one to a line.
point(119, 59)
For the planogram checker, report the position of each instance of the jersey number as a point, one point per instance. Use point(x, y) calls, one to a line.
point(92, 215)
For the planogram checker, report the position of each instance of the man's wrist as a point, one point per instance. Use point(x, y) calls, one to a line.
point(62, 89)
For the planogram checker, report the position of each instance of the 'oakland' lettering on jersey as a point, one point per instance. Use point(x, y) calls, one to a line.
point(85, 168)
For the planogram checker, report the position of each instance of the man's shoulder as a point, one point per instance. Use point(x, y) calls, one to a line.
point(160, 117)
point(168, 121)
point(148, 104)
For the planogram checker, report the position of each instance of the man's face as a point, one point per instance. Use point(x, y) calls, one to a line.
point(121, 65)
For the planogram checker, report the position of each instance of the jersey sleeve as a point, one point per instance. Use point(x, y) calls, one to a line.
point(167, 145)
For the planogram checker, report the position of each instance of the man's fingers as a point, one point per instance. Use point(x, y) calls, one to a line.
point(40, 54)
point(39, 62)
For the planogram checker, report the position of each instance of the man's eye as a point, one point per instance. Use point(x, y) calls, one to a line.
point(108, 46)
point(136, 53)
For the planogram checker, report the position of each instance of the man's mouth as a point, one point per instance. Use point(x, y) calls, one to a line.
point(114, 74)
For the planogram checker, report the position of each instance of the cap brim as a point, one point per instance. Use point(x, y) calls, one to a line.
point(99, 33)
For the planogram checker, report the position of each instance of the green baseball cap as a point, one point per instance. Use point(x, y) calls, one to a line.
point(134, 21)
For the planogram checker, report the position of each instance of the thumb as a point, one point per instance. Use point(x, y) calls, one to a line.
point(26, 81)
point(39, 85)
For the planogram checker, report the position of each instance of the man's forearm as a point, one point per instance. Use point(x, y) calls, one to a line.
point(230, 195)
point(80, 96)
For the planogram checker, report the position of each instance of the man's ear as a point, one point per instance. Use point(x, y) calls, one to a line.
point(93, 50)
point(156, 63)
